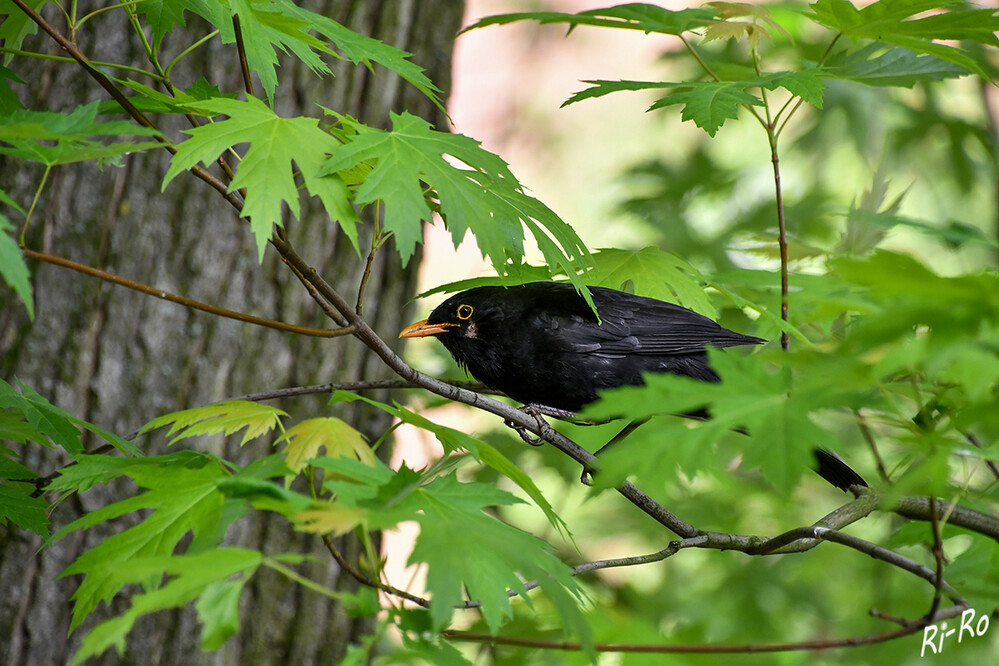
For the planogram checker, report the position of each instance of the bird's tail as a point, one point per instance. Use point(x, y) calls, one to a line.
point(834, 469)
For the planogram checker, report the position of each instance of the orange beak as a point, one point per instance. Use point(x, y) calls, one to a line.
point(422, 329)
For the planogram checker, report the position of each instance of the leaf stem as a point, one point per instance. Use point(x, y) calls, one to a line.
point(128, 4)
point(190, 48)
point(797, 105)
point(95, 63)
point(700, 61)
point(376, 242)
point(34, 202)
point(785, 338)
point(308, 583)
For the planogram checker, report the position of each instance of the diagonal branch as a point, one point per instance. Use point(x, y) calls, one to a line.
point(372, 340)
point(118, 96)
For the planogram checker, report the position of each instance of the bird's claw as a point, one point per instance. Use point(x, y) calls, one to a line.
point(525, 434)
point(538, 412)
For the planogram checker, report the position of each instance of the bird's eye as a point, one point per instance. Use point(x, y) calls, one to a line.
point(464, 311)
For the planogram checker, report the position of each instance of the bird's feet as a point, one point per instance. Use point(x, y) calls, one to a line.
point(538, 412)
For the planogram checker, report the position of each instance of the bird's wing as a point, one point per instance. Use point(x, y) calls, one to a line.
point(648, 327)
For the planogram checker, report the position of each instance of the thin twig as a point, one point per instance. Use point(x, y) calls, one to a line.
point(785, 337)
point(372, 385)
point(376, 243)
point(187, 302)
point(365, 580)
point(95, 63)
point(866, 547)
point(938, 557)
point(127, 105)
point(865, 431)
point(244, 64)
point(913, 627)
point(587, 567)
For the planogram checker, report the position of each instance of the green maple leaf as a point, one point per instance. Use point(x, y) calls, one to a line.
point(266, 26)
point(452, 440)
point(334, 435)
point(876, 65)
point(750, 397)
point(12, 267)
point(180, 499)
point(224, 417)
point(492, 559)
point(43, 417)
point(19, 506)
point(16, 25)
point(163, 16)
point(710, 103)
point(266, 169)
point(485, 197)
point(361, 49)
point(64, 138)
point(632, 16)
point(9, 101)
point(894, 22)
point(214, 578)
point(653, 273)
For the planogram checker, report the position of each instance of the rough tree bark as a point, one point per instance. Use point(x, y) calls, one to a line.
point(118, 358)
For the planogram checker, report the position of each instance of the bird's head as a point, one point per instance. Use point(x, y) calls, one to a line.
point(459, 318)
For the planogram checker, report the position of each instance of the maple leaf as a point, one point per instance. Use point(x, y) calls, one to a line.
point(266, 170)
point(225, 417)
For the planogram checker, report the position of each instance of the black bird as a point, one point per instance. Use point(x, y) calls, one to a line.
point(541, 344)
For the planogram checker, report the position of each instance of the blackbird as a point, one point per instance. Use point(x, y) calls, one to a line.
point(541, 344)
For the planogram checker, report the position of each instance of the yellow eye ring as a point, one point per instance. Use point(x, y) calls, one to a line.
point(464, 311)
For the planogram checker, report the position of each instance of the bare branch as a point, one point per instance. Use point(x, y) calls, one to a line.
point(866, 547)
point(854, 641)
point(365, 580)
point(244, 64)
point(918, 508)
point(187, 302)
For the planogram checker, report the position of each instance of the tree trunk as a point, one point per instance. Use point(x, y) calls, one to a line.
point(118, 358)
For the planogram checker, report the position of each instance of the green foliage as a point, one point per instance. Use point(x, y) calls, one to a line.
point(485, 567)
point(709, 103)
point(213, 580)
point(265, 170)
point(634, 16)
point(894, 22)
point(412, 154)
point(60, 138)
point(225, 417)
point(12, 267)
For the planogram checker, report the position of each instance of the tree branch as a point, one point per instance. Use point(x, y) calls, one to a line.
point(187, 302)
point(374, 385)
point(539, 427)
point(918, 508)
point(120, 97)
point(911, 628)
